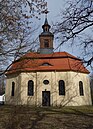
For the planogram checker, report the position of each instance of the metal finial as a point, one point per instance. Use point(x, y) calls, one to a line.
point(46, 12)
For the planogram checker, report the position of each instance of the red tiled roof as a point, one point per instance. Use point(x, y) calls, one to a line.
point(58, 61)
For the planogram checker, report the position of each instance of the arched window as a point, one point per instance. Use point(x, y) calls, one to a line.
point(13, 89)
point(61, 87)
point(30, 88)
point(81, 88)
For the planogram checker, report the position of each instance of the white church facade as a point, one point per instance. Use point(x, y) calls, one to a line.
point(47, 78)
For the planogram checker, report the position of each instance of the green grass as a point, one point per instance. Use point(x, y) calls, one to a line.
point(27, 117)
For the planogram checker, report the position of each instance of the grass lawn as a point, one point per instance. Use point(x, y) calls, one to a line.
point(26, 117)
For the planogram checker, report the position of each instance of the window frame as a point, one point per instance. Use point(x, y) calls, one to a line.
point(61, 84)
point(30, 88)
point(81, 88)
point(13, 89)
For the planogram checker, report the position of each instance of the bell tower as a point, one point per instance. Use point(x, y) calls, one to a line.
point(46, 38)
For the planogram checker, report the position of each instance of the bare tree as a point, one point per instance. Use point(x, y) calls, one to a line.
point(76, 27)
point(16, 27)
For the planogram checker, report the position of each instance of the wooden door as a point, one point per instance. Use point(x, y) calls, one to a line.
point(45, 98)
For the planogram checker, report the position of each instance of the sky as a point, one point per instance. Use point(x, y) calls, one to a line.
point(54, 7)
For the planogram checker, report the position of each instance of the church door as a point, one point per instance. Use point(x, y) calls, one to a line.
point(45, 98)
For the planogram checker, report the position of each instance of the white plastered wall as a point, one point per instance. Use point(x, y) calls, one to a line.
point(17, 95)
point(71, 79)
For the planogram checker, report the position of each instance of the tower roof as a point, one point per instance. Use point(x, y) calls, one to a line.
point(46, 21)
point(46, 24)
point(46, 29)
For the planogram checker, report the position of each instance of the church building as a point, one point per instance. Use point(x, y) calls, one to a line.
point(47, 78)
